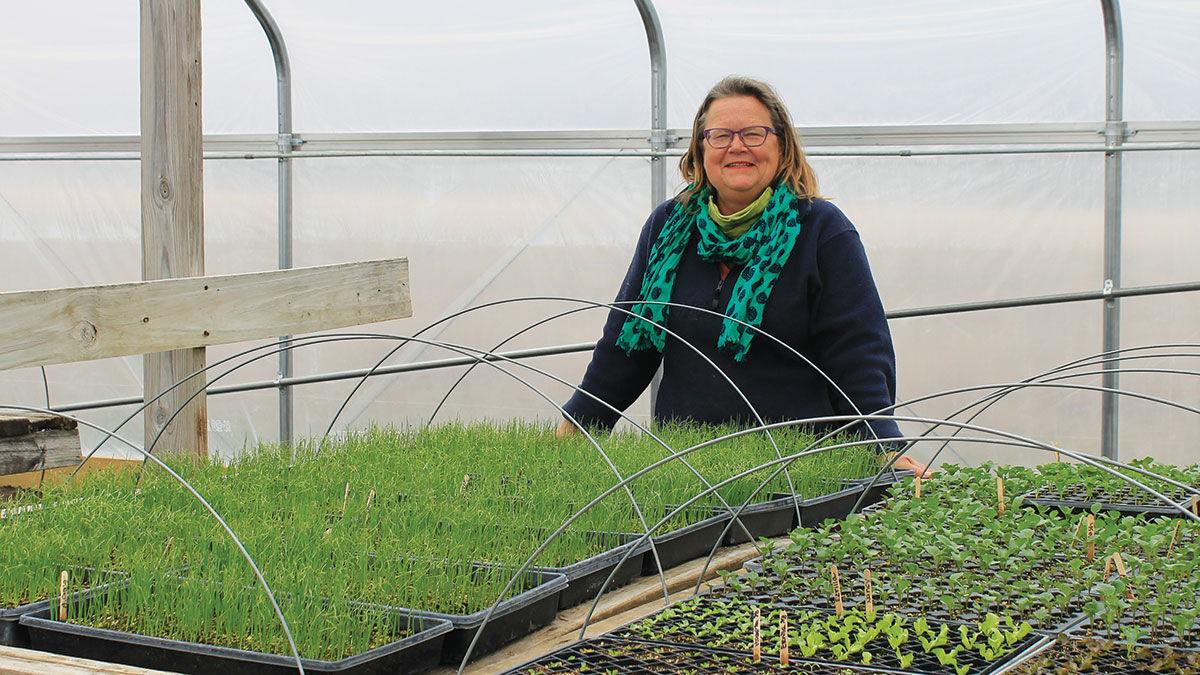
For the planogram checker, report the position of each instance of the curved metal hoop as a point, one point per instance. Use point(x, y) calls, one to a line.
point(379, 364)
point(1103, 357)
point(465, 351)
point(228, 530)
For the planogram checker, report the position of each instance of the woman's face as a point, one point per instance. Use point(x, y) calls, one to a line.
point(738, 173)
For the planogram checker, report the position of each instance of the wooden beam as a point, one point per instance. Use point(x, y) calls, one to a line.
point(80, 324)
point(40, 450)
point(172, 202)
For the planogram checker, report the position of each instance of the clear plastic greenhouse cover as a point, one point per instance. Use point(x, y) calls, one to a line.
point(937, 229)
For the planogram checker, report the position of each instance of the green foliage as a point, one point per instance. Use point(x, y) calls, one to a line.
point(387, 516)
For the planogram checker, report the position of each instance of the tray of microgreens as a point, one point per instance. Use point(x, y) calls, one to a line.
point(198, 626)
point(433, 521)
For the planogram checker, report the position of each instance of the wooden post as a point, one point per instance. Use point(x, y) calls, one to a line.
point(172, 203)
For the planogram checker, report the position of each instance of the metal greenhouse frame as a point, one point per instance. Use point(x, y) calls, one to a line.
point(1114, 139)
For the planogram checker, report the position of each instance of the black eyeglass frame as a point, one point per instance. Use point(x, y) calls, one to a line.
point(739, 133)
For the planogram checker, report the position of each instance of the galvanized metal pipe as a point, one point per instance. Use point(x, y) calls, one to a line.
point(637, 153)
point(285, 143)
point(1114, 137)
point(589, 346)
point(658, 127)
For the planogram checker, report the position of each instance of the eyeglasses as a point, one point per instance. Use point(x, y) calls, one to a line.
point(752, 137)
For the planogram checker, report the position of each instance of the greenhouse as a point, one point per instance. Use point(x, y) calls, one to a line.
point(624, 337)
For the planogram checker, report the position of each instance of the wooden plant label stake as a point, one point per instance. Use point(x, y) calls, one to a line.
point(1078, 529)
point(1174, 537)
point(345, 498)
point(837, 590)
point(1116, 558)
point(1108, 562)
point(1000, 495)
point(1196, 505)
point(462, 488)
point(783, 640)
point(757, 636)
point(870, 594)
point(917, 487)
point(370, 498)
point(1057, 457)
point(1091, 537)
point(62, 595)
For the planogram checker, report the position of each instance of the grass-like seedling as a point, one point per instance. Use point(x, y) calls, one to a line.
point(391, 517)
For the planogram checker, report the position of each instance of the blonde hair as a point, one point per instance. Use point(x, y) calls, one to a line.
point(794, 168)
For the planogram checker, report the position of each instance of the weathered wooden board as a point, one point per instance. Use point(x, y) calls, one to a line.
point(19, 423)
point(39, 450)
point(26, 661)
point(79, 324)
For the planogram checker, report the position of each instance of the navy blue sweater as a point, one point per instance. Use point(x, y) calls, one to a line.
point(824, 305)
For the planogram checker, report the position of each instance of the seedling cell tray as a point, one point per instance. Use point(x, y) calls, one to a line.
point(1126, 500)
point(514, 618)
point(766, 593)
point(1109, 658)
point(885, 662)
point(687, 543)
point(618, 657)
point(585, 577)
point(413, 654)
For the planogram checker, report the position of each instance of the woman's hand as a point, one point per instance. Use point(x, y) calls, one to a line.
point(565, 429)
point(907, 462)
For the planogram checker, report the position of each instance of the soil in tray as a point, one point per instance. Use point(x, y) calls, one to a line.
point(609, 655)
point(796, 583)
point(727, 625)
point(1069, 655)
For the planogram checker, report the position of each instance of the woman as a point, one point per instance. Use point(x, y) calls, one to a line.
point(750, 238)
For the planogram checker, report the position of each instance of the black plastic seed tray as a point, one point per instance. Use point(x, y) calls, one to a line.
point(1187, 641)
point(772, 518)
point(1126, 500)
point(585, 577)
point(12, 633)
point(1087, 657)
point(621, 657)
point(514, 618)
point(687, 543)
point(681, 630)
point(766, 592)
point(415, 653)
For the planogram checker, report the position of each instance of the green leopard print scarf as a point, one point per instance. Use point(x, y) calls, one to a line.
point(762, 253)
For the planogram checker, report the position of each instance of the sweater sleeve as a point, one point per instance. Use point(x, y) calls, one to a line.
point(851, 340)
point(613, 376)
